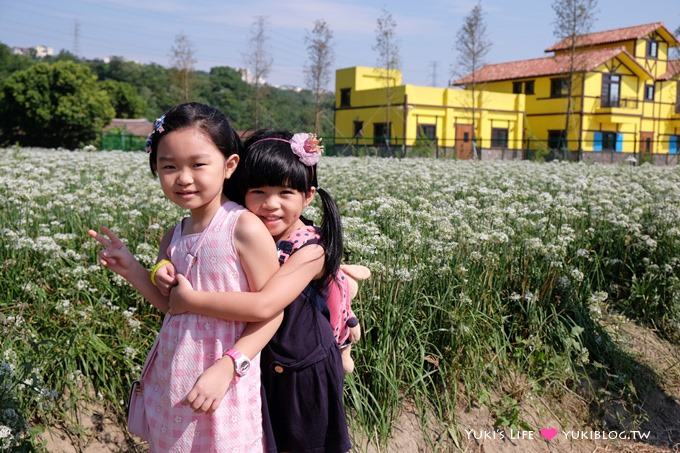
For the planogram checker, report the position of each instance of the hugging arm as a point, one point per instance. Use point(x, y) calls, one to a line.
point(289, 281)
point(257, 255)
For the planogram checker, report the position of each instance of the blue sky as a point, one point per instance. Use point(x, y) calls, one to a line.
point(144, 30)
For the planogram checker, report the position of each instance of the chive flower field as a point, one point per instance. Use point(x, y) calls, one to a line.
point(481, 271)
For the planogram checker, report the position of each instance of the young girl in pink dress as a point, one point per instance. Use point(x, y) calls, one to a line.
point(201, 393)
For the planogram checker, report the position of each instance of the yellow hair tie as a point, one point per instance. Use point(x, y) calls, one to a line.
point(152, 275)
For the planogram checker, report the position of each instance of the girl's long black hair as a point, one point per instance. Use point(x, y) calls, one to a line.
point(272, 163)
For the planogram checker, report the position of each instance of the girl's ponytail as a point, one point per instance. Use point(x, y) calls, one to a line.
point(331, 235)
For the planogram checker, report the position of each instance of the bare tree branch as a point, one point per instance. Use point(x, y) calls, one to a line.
point(572, 19)
point(388, 59)
point(182, 60)
point(260, 64)
point(676, 50)
point(318, 69)
point(473, 45)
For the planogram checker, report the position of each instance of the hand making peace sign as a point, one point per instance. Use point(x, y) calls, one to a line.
point(115, 256)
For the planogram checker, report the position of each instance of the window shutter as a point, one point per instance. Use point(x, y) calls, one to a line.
point(604, 96)
point(619, 143)
point(673, 144)
point(597, 141)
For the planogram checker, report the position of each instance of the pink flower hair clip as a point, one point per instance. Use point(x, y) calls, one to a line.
point(307, 147)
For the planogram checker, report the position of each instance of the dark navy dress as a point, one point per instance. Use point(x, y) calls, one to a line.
point(302, 374)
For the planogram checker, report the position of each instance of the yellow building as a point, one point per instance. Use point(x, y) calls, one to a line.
point(441, 117)
point(625, 101)
point(625, 96)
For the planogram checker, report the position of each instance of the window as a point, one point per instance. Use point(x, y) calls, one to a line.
point(381, 133)
point(556, 139)
point(649, 92)
point(607, 141)
point(427, 133)
point(677, 97)
point(499, 137)
point(466, 137)
point(516, 87)
point(529, 87)
point(345, 96)
point(611, 89)
point(652, 48)
point(559, 87)
point(673, 144)
point(358, 129)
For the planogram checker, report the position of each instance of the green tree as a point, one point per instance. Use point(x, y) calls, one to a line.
point(152, 82)
point(10, 63)
point(229, 93)
point(53, 105)
point(125, 100)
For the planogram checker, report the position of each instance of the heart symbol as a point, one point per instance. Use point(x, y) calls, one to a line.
point(548, 433)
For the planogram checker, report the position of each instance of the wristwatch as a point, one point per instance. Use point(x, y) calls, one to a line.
point(241, 363)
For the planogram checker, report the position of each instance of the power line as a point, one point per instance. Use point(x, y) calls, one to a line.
point(282, 45)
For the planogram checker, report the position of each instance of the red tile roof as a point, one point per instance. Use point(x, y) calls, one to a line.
point(609, 36)
point(140, 127)
point(585, 61)
point(672, 71)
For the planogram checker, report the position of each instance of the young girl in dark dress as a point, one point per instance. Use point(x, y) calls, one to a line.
point(302, 372)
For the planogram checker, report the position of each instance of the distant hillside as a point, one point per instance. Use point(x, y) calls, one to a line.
point(154, 91)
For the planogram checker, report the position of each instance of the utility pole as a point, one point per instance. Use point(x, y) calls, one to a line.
point(76, 38)
point(433, 65)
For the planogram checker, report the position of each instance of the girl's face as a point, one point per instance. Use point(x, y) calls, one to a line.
point(278, 207)
point(192, 169)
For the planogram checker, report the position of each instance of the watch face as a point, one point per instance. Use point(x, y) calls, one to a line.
point(243, 367)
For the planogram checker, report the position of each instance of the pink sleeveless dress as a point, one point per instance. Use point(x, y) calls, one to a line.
point(189, 343)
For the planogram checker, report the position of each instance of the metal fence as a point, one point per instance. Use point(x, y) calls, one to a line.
point(529, 148)
point(122, 141)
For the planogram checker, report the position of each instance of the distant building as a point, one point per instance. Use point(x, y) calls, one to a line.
point(295, 88)
point(38, 51)
point(140, 127)
point(422, 115)
point(126, 134)
point(625, 103)
point(625, 94)
point(247, 77)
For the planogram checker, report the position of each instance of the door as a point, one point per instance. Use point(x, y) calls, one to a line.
point(646, 145)
point(464, 141)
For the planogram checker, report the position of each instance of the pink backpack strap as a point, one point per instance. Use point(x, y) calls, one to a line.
point(176, 235)
point(299, 238)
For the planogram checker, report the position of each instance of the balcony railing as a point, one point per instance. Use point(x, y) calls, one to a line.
point(623, 103)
